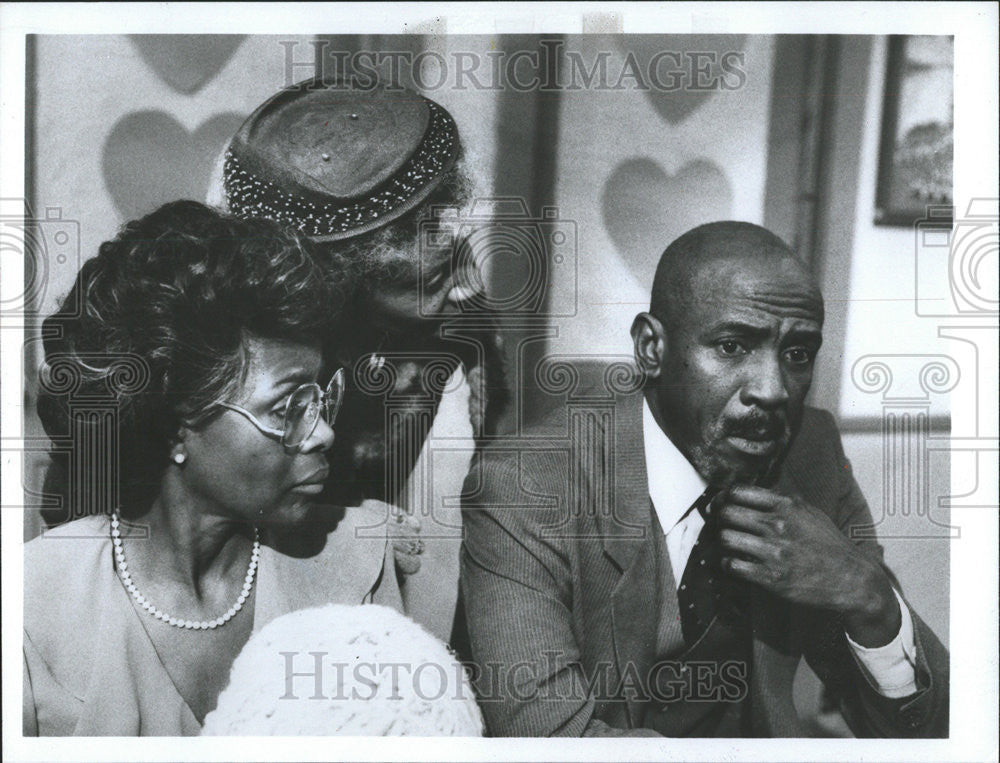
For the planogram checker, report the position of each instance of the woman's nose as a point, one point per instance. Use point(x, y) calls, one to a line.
point(321, 438)
point(461, 291)
point(466, 282)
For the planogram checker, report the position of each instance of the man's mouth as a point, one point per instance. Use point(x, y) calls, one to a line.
point(758, 447)
point(757, 435)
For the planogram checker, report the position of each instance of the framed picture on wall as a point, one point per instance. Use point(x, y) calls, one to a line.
point(917, 146)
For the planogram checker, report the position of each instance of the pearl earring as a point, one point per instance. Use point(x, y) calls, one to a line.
point(179, 458)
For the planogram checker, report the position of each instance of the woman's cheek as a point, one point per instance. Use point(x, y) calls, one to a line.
point(261, 474)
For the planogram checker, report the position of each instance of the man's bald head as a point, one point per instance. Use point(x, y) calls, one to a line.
point(710, 243)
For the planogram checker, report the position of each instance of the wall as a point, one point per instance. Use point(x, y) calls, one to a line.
point(126, 123)
point(880, 311)
point(637, 169)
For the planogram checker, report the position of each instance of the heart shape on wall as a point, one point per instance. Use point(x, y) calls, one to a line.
point(644, 208)
point(186, 61)
point(682, 56)
point(150, 158)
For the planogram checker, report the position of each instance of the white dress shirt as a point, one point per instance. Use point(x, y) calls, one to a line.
point(674, 485)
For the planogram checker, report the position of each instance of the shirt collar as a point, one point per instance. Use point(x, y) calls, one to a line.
point(674, 484)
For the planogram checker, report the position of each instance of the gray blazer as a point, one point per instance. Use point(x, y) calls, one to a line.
point(561, 590)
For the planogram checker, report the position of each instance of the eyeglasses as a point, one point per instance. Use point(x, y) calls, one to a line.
point(302, 411)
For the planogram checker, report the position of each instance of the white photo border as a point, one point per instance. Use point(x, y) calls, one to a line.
point(974, 592)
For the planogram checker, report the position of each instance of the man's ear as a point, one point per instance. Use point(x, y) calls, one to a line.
point(649, 343)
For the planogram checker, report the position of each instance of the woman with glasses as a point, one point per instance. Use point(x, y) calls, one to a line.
point(188, 362)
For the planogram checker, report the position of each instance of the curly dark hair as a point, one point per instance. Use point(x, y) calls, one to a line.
point(157, 323)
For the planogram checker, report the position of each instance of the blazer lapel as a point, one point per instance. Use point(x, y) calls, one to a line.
point(624, 517)
point(633, 624)
point(628, 534)
point(130, 692)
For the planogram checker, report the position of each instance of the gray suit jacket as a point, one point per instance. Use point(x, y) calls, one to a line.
point(563, 600)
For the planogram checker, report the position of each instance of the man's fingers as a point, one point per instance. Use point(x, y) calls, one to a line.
point(755, 497)
point(742, 518)
point(752, 572)
point(746, 544)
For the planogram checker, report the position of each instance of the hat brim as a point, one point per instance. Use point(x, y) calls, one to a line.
point(266, 183)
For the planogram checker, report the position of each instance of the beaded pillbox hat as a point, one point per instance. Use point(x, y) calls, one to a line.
point(335, 160)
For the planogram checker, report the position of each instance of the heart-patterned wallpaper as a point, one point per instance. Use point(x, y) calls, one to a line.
point(667, 180)
point(186, 62)
point(150, 158)
point(644, 208)
point(694, 61)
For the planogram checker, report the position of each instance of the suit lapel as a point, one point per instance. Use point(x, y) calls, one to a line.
point(628, 534)
point(633, 624)
point(625, 519)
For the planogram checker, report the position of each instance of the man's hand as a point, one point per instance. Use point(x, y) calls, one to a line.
point(796, 552)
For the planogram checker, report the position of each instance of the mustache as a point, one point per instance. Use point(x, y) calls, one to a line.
point(755, 425)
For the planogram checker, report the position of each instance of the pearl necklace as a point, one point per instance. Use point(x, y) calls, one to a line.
point(116, 538)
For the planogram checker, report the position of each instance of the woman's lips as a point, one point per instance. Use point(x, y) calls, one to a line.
point(309, 488)
point(314, 484)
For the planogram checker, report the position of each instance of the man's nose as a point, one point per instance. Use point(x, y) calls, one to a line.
point(321, 439)
point(765, 385)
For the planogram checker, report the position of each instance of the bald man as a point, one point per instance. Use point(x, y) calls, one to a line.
point(663, 571)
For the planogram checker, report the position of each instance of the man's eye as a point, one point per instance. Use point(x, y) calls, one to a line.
point(798, 356)
point(730, 348)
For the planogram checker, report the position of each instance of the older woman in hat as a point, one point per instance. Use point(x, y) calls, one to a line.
point(376, 176)
point(209, 338)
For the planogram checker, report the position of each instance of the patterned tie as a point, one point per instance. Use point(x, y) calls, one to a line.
point(702, 595)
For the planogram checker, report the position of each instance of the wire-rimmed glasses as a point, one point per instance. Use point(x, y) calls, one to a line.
point(302, 411)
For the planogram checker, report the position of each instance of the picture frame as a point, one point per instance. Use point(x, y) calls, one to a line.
point(916, 151)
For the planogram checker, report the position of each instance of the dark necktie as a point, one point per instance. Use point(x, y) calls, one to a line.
point(704, 594)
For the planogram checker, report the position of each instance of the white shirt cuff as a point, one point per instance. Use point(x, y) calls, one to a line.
point(891, 669)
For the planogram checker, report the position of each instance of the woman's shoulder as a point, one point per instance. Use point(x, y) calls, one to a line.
point(65, 547)
point(67, 583)
point(62, 570)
